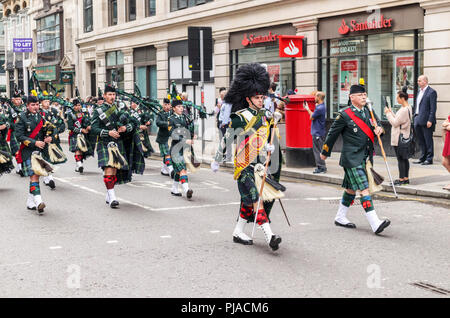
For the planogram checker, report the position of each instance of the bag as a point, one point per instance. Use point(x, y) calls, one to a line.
point(375, 179)
point(407, 146)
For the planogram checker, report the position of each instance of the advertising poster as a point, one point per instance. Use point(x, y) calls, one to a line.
point(348, 76)
point(274, 73)
point(404, 75)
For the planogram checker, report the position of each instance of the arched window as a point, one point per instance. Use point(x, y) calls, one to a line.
point(16, 8)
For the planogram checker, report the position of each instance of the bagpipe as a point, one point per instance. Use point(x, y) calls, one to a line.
point(151, 104)
point(172, 93)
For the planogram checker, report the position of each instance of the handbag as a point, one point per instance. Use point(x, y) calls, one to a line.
point(407, 146)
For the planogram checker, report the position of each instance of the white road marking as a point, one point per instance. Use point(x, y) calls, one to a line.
point(214, 232)
point(305, 223)
point(112, 242)
point(165, 236)
point(55, 247)
point(15, 264)
point(418, 215)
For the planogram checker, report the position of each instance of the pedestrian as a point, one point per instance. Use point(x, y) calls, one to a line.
point(446, 151)
point(117, 147)
point(425, 120)
point(182, 133)
point(6, 164)
point(248, 116)
point(162, 121)
point(318, 129)
point(355, 126)
point(30, 132)
point(219, 102)
point(18, 106)
point(224, 118)
point(270, 101)
point(401, 126)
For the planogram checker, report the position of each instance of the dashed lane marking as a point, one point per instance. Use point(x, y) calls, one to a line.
point(15, 264)
point(55, 247)
point(165, 236)
point(112, 242)
point(214, 232)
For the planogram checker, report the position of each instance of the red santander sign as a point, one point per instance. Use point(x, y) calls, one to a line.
point(356, 26)
point(253, 39)
point(290, 45)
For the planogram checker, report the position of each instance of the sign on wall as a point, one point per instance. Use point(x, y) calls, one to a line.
point(22, 45)
point(404, 75)
point(290, 45)
point(46, 73)
point(348, 70)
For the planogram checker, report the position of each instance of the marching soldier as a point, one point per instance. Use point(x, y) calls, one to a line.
point(355, 125)
point(55, 126)
point(182, 133)
point(252, 124)
point(79, 125)
point(18, 107)
point(30, 132)
point(142, 120)
point(119, 147)
point(162, 121)
point(6, 165)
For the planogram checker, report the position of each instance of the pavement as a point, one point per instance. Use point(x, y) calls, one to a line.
point(425, 181)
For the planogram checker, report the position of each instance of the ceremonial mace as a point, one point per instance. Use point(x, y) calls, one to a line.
point(369, 104)
point(276, 117)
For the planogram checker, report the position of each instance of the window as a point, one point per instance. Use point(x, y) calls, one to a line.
point(48, 39)
point(131, 10)
point(88, 17)
point(150, 8)
point(112, 12)
point(183, 4)
point(2, 61)
point(115, 69)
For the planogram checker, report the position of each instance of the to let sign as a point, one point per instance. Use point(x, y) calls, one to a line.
point(23, 45)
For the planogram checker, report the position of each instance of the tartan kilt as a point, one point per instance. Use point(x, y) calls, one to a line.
point(178, 163)
point(74, 148)
point(146, 142)
point(246, 186)
point(14, 143)
point(8, 166)
point(356, 178)
point(102, 153)
point(135, 158)
point(26, 168)
point(164, 149)
point(46, 156)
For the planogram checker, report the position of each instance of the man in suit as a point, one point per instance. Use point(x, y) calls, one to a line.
point(425, 120)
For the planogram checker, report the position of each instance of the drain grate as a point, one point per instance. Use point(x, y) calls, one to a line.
point(432, 288)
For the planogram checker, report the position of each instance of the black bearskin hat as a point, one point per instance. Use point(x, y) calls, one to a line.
point(250, 80)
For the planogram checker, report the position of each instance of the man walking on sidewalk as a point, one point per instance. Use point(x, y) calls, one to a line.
point(318, 131)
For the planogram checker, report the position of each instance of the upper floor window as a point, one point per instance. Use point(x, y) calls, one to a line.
point(48, 38)
point(131, 10)
point(183, 4)
point(112, 12)
point(150, 8)
point(88, 16)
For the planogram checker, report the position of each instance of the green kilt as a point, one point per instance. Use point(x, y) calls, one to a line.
point(14, 143)
point(164, 149)
point(246, 185)
point(45, 154)
point(178, 162)
point(26, 168)
point(73, 147)
point(8, 166)
point(146, 142)
point(356, 178)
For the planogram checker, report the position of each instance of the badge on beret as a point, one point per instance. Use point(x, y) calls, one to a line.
point(355, 129)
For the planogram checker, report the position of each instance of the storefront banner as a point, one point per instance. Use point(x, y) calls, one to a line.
point(274, 73)
point(290, 46)
point(348, 70)
point(46, 73)
point(404, 75)
point(66, 78)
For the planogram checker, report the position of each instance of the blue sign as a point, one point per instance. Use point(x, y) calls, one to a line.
point(23, 45)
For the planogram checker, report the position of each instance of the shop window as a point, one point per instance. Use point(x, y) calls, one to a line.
point(112, 12)
point(131, 10)
point(88, 16)
point(150, 8)
point(115, 69)
point(183, 4)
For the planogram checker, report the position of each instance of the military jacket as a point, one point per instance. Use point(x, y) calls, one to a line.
point(180, 128)
point(25, 125)
point(109, 117)
point(162, 121)
point(357, 146)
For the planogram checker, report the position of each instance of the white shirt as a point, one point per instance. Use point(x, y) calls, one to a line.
point(419, 98)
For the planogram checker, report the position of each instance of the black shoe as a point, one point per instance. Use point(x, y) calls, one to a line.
point(348, 225)
point(418, 162)
point(405, 181)
point(382, 226)
point(164, 174)
point(237, 239)
point(275, 242)
point(80, 170)
point(20, 173)
point(32, 209)
point(114, 204)
point(176, 194)
point(41, 207)
point(189, 193)
point(172, 174)
point(51, 184)
point(427, 162)
point(398, 182)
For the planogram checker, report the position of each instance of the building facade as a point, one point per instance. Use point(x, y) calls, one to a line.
point(387, 43)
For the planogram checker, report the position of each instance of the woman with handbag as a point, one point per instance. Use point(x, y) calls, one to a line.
point(400, 135)
point(446, 151)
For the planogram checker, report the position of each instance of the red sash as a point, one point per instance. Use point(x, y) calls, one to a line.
point(361, 124)
point(33, 134)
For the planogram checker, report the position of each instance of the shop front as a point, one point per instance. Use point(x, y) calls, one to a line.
point(261, 45)
point(383, 48)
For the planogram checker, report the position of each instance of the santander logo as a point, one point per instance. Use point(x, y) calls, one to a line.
point(344, 29)
point(291, 49)
point(245, 40)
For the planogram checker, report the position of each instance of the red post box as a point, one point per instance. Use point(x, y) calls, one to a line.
point(298, 132)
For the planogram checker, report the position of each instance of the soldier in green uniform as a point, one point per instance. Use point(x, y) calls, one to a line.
point(55, 126)
point(182, 133)
point(119, 148)
point(252, 124)
point(355, 125)
point(6, 165)
point(162, 121)
point(30, 133)
point(142, 120)
point(79, 125)
point(18, 107)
